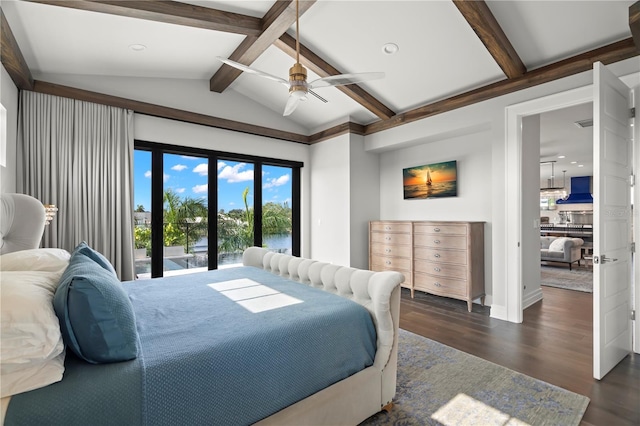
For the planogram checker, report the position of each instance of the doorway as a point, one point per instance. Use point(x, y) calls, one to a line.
point(566, 203)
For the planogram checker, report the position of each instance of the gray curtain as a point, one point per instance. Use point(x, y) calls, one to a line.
point(79, 156)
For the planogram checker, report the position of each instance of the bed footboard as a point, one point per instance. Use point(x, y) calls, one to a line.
point(378, 292)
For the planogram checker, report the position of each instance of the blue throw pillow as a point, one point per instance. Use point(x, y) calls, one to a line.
point(96, 316)
point(97, 257)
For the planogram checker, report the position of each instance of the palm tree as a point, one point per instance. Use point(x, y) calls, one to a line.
point(185, 219)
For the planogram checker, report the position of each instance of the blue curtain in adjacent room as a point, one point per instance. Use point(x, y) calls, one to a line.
point(79, 156)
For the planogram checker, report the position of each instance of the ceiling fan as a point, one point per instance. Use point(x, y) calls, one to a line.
point(297, 83)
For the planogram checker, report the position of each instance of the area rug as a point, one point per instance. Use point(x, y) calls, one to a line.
point(439, 385)
point(576, 279)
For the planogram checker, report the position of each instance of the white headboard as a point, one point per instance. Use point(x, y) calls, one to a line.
point(22, 220)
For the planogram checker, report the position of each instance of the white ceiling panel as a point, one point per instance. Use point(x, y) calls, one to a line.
point(439, 54)
point(60, 40)
point(543, 32)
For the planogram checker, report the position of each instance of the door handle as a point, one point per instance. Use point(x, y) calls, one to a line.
point(603, 259)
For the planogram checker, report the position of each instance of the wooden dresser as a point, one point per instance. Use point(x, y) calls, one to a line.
point(444, 258)
point(390, 248)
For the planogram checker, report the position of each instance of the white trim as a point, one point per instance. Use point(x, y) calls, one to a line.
point(636, 220)
point(534, 297)
point(513, 187)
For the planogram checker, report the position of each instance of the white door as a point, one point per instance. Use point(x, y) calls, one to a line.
point(612, 162)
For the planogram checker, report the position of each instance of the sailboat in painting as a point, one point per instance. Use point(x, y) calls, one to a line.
point(420, 182)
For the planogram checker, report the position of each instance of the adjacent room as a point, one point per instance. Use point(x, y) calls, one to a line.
point(319, 212)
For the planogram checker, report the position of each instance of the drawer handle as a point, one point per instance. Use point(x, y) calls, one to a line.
point(436, 241)
point(436, 269)
point(437, 284)
point(436, 255)
point(436, 229)
point(387, 250)
point(388, 262)
point(387, 228)
point(387, 238)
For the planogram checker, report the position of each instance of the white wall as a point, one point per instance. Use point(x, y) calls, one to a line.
point(364, 178)
point(469, 124)
point(531, 292)
point(330, 201)
point(9, 99)
point(474, 200)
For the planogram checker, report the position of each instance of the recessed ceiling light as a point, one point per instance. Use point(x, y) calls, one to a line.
point(137, 47)
point(580, 165)
point(574, 162)
point(390, 48)
point(560, 156)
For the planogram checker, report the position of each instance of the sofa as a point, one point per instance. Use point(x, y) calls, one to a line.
point(561, 249)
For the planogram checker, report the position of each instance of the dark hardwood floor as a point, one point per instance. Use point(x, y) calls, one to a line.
point(553, 344)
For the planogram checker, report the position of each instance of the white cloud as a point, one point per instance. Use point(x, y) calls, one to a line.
point(165, 177)
point(221, 164)
point(235, 173)
point(147, 174)
point(188, 157)
point(179, 167)
point(201, 169)
point(276, 182)
point(180, 190)
point(200, 188)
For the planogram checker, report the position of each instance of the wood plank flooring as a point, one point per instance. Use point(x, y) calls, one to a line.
point(553, 344)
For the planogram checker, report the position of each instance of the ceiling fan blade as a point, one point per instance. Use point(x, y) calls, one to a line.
point(342, 79)
point(292, 104)
point(318, 96)
point(250, 70)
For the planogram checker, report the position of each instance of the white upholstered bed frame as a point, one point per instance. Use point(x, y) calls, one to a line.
point(369, 391)
point(347, 402)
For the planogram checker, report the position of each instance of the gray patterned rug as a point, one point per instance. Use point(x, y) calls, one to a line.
point(562, 277)
point(439, 385)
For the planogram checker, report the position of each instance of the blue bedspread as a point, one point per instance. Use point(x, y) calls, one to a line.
point(206, 359)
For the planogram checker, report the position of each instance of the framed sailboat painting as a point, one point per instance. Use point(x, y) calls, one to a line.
point(431, 180)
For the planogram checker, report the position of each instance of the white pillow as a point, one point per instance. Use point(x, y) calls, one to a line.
point(557, 244)
point(29, 327)
point(46, 259)
point(23, 378)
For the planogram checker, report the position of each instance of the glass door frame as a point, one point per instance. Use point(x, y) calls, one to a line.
point(157, 202)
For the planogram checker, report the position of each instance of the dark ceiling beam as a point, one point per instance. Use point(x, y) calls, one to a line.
point(614, 52)
point(170, 12)
point(484, 24)
point(287, 44)
point(11, 57)
point(340, 129)
point(275, 23)
point(634, 23)
point(165, 112)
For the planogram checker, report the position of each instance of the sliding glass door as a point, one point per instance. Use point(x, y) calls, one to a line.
point(188, 198)
point(235, 210)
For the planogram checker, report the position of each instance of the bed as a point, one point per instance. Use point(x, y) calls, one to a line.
point(321, 338)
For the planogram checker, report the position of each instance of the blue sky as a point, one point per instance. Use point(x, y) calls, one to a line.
point(188, 177)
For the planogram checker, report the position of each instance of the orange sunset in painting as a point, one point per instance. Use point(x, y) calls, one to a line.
point(431, 181)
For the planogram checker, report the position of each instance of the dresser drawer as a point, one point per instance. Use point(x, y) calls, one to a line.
point(428, 228)
point(391, 250)
point(383, 263)
point(391, 227)
point(441, 269)
point(439, 285)
point(441, 241)
point(436, 255)
point(380, 237)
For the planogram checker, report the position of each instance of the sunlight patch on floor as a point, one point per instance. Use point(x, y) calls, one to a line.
point(464, 410)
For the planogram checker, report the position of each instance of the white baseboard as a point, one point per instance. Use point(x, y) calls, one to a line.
point(532, 298)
